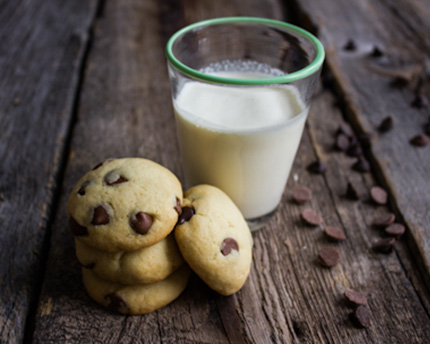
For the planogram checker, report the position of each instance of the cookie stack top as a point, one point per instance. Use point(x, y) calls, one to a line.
point(124, 205)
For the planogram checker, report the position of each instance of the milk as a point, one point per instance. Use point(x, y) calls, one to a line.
point(240, 139)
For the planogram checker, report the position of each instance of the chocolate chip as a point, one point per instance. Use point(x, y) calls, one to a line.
point(102, 163)
point(317, 167)
point(399, 82)
point(100, 216)
point(228, 245)
point(376, 52)
point(178, 206)
point(114, 178)
point(354, 149)
point(384, 245)
point(385, 220)
point(350, 45)
point(116, 304)
point(345, 129)
point(419, 101)
point(386, 125)
point(427, 129)
point(355, 298)
point(365, 140)
point(311, 217)
point(361, 316)
point(334, 233)
point(361, 165)
point(342, 142)
point(76, 228)
point(84, 185)
point(186, 215)
point(301, 194)
point(351, 192)
point(328, 256)
point(378, 195)
point(420, 140)
point(395, 230)
point(141, 222)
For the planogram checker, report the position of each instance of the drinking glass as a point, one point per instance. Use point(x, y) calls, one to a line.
point(241, 90)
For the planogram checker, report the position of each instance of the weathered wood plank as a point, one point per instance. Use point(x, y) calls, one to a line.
point(400, 31)
point(125, 111)
point(41, 48)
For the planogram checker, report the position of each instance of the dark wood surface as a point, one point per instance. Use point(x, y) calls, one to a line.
point(84, 81)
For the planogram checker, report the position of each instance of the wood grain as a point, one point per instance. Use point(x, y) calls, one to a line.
point(399, 30)
point(125, 111)
point(41, 49)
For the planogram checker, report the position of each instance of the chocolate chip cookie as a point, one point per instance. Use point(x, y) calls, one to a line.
point(124, 205)
point(143, 266)
point(135, 299)
point(214, 239)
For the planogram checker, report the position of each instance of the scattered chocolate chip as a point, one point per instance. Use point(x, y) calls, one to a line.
point(365, 140)
point(102, 163)
point(311, 217)
point(419, 101)
point(354, 149)
point(399, 82)
point(384, 245)
point(328, 256)
point(361, 316)
point(76, 228)
point(178, 206)
point(84, 185)
point(345, 129)
point(100, 216)
point(350, 45)
point(342, 142)
point(114, 177)
point(395, 230)
point(420, 140)
point(89, 266)
point(351, 192)
point(386, 125)
point(16, 101)
point(186, 215)
point(361, 165)
point(427, 129)
point(228, 245)
point(355, 298)
point(301, 194)
point(334, 233)
point(378, 195)
point(385, 220)
point(141, 222)
point(116, 303)
point(328, 80)
point(376, 52)
point(317, 167)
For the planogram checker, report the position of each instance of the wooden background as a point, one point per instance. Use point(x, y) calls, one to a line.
point(82, 81)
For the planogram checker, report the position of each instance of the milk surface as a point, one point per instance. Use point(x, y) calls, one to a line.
point(240, 139)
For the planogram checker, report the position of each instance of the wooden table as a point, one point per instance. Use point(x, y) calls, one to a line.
point(82, 81)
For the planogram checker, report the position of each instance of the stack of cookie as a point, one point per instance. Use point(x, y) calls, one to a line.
point(122, 215)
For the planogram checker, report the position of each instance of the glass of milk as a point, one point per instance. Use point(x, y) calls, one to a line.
point(241, 90)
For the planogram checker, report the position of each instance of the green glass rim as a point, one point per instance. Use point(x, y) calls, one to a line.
point(310, 69)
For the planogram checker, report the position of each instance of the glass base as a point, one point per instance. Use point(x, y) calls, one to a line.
point(259, 222)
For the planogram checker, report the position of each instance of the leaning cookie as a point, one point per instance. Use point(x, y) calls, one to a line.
point(146, 265)
point(135, 299)
point(214, 239)
point(124, 205)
